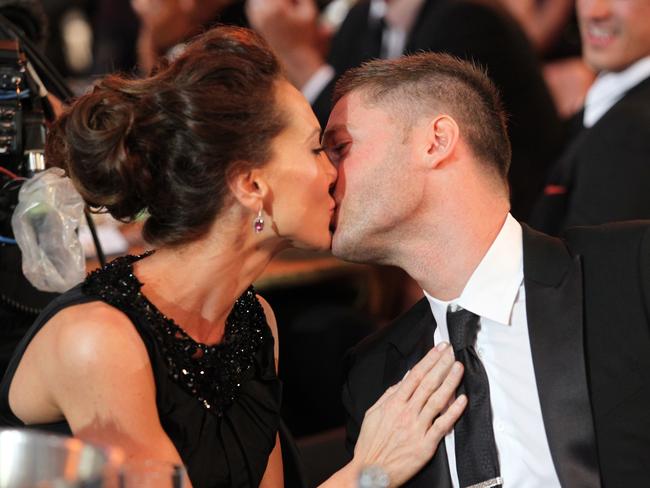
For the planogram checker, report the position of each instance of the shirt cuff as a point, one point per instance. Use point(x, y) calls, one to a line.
point(318, 81)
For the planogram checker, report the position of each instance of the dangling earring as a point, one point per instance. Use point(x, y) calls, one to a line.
point(258, 223)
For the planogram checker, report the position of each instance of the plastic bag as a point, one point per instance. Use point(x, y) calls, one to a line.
point(45, 223)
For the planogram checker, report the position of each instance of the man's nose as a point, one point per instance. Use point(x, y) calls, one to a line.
point(594, 9)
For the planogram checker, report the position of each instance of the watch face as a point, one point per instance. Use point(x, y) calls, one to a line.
point(373, 477)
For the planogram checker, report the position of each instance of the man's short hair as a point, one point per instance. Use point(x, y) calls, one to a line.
point(427, 83)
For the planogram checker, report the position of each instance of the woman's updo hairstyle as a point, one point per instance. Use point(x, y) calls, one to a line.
point(166, 143)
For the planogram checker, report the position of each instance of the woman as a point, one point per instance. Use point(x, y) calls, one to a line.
point(171, 355)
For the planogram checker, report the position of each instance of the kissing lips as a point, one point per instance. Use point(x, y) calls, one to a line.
point(333, 218)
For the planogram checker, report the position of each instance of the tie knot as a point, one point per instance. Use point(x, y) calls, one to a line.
point(463, 327)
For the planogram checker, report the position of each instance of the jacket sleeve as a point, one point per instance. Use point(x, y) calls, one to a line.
point(645, 272)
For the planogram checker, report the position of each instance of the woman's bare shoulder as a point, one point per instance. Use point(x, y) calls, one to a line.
point(83, 355)
point(92, 334)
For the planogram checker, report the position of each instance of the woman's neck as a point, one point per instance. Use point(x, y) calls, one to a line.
point(197, 284)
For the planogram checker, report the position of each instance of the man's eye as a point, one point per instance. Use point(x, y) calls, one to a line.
point(318, 150)
point(336, 151)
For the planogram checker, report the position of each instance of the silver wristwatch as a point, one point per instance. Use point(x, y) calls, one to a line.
point(373, 477)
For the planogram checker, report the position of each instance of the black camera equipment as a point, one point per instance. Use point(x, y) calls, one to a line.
point(26, 78)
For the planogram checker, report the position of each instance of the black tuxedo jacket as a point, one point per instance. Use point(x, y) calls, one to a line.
point(604, 173)
point(489, 37)
point(587, 304)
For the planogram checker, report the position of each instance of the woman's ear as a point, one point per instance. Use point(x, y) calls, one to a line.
point(441, 139)
point(249, 187)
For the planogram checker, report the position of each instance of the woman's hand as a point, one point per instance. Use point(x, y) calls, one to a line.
point(402, 430)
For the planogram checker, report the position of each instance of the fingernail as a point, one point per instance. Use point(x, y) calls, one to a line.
point(456, 368)
point(442, 346)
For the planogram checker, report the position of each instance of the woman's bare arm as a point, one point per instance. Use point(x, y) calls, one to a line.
point(90, 366)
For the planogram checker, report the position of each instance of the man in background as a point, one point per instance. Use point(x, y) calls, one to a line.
point(604, 173)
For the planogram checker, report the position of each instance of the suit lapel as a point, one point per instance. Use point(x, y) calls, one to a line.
point(404, 350)
point(554, 306)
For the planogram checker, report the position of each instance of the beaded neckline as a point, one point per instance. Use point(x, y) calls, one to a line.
point(213, 374)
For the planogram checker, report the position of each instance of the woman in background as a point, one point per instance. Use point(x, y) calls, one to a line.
point(170, 355)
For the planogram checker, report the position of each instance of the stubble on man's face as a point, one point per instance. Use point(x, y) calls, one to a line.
point(371, 192)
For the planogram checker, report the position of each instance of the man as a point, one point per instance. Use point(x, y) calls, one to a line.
point(474, 30)
point(560, 361)
point(604, 173)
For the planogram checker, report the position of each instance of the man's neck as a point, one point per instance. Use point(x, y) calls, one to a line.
point(444, 258)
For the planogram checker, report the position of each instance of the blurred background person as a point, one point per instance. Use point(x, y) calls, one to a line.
point(604, 173)
point(165, 24)
point(552, 28)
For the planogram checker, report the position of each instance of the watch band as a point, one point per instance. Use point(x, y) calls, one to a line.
point(373, 477)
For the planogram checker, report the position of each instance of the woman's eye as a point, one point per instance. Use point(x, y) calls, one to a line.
point(318, 150)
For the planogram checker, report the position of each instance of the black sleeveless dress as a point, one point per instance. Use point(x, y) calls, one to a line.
point(218, 404)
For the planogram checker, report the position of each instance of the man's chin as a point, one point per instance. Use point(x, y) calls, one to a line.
point(347, 247)
point(607, 60)
point(339, 246)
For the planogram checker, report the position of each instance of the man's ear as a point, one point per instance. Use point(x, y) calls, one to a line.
point(441, 139)
point(249, 187)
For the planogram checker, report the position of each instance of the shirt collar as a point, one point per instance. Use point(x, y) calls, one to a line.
point(610, 87)
point(492, 289)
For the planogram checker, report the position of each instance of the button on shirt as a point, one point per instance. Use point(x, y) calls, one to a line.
point(495, 292)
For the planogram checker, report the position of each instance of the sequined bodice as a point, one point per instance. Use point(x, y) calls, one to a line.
point(218, 404)
point(210, 373)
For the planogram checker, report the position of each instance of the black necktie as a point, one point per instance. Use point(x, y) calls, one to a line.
point(477, 461)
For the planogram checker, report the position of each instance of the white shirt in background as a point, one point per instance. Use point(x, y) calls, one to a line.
point(610, 87)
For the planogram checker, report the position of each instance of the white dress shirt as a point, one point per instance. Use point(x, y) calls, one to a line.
point(610, 87)
point(495, 292)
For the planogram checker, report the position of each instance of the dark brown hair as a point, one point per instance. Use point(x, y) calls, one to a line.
point(426, 83)
point(166, 143)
